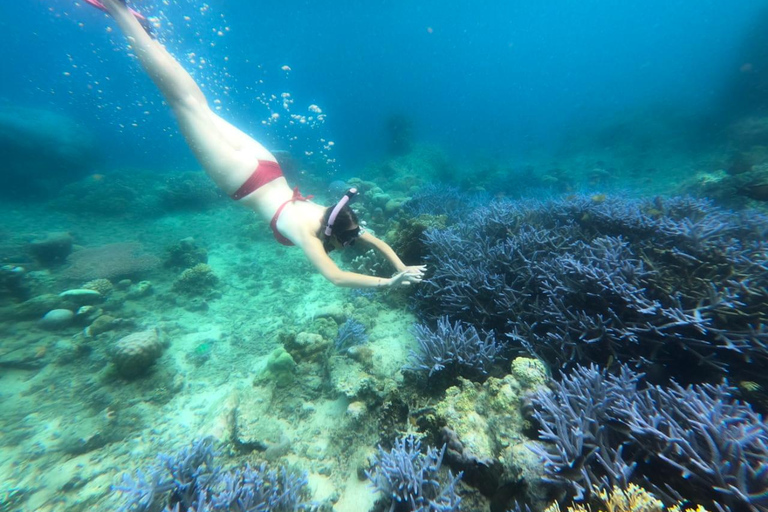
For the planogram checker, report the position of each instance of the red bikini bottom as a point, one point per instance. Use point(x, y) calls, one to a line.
point(265, 172)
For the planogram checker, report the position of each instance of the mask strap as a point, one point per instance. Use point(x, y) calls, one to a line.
point(336, 209)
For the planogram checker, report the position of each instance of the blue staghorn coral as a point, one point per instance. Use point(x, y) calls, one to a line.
point(454, 347)
point(580, 451)
point(697, 443)
point(410, 479)
point(576, 280)
point(351, 333)
point(191, 481)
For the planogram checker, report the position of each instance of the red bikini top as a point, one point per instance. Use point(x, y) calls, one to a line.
point(273, 223)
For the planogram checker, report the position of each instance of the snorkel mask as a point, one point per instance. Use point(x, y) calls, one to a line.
point(348, 237)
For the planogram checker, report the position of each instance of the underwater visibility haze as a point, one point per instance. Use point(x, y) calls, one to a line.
point(552, 293)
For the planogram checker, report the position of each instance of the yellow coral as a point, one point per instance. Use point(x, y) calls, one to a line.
point(530, 373)
point(678, 508)
point(633, 499)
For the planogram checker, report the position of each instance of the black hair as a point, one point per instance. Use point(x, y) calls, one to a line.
point(345, 220)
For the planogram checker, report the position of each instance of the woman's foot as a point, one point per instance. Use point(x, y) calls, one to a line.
point(104, 4)
point(109, 6)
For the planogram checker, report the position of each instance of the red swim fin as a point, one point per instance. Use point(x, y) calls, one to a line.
point(142, 19)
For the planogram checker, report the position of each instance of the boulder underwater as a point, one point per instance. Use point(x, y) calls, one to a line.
point(42, 150)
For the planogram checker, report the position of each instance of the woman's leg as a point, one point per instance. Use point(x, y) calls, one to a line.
point(228, 155)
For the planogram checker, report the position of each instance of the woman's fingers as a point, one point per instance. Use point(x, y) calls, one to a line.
point(416, 269)
point(414, 278)
point(409, 275)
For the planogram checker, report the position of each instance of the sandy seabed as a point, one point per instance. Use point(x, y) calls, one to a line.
point(71, 427)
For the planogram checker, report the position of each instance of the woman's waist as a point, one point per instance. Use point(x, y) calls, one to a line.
point(269, 197)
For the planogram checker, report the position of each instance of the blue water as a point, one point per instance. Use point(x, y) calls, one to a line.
point(195, 322)
point(491, 78)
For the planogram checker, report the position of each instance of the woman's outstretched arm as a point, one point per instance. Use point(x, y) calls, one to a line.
point(384, 248)
point(313, 249)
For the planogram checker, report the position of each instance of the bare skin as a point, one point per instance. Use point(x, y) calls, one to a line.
point(229, 156)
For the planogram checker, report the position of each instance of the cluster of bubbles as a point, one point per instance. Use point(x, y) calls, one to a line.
point(296, 128)
point(202, 32)
point(131, 111)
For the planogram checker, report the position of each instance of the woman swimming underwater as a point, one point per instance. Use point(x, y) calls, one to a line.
point(249, 173)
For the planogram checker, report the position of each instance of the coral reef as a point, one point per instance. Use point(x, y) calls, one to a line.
point(134, 354)
point(580, 280)
point(118, 194)
point(437, 199)
point(36, 306)
point(190, 480)
point(198, 280)
point(351, 333)
point(753, 184)
point(185, 254)
point(188, 191)
point(631, 499)
point(111, 261)
point(56, 319)
point(280, 367)
point(138, 194)
point(423, 164)
point(51, 249)
point(698, 443)
point(483, 428)
point(455, 347)
point(306, 346)
point(14, 283)
point(741, 185)
point(103, 286)
point(581, 451)
point(407, 239)
point(410, 480)
point(712, 440)
point(103, 323)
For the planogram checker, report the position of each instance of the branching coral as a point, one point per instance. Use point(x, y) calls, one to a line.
point(411, 480)
point(702, 433)
point(455, 346)
point(577, 280)
point(696, 442)
point(350, 333)
point(580, 449)
point(191, 481)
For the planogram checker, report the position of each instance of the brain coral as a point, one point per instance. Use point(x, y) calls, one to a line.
point(132, 355)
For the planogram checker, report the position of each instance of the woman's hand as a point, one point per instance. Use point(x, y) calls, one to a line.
point(408, 276)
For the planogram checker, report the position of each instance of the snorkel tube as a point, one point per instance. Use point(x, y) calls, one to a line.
point(336, 209)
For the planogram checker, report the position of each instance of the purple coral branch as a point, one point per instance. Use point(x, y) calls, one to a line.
point(701, 438)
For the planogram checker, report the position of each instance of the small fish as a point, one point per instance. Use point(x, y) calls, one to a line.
point(751, 386)
point(574, 469)
point(757, 191)
point(618, 426)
